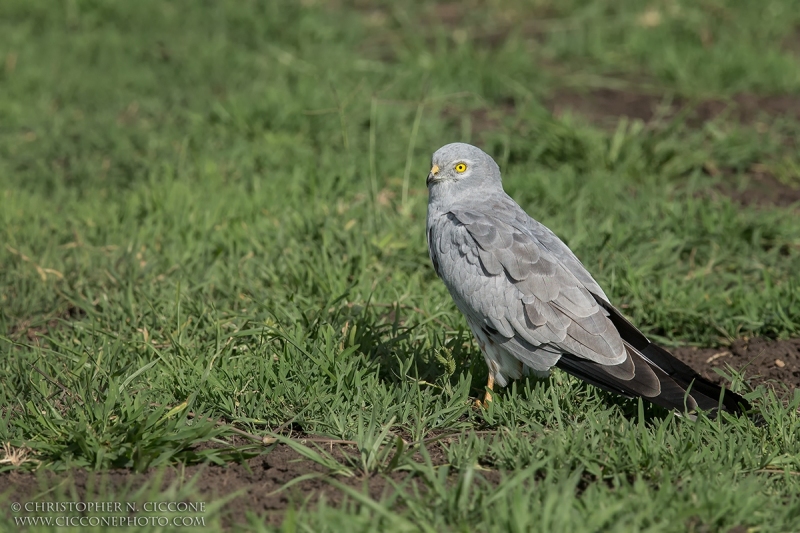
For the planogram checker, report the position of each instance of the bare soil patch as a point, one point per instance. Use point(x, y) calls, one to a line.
point(761, 189)
point(791, 43)
point(257, 481)
point(606, 106)
point(256, 485)
point(773, 362)
point(33, 329)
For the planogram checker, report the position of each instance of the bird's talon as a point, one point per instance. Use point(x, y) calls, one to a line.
point(487, 399)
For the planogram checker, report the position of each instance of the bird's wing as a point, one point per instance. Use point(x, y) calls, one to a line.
point(550, 242)
point(538, 310)
point(522, 291)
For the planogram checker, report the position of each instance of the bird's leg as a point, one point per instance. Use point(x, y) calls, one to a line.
point(490, 386)
point(488, 396)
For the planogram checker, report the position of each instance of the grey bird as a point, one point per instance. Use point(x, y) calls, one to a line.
point(530, 302)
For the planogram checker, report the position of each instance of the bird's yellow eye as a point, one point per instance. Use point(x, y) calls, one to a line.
point(461, 168)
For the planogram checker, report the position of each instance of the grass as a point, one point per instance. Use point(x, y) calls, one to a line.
point(219, 209)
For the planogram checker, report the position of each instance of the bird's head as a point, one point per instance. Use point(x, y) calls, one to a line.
point(458, 165)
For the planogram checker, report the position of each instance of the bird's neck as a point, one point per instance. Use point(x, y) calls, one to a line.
point(445, 195)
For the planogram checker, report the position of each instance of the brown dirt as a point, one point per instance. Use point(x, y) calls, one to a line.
point(776, 363)
point(791, 43)
point(256, 481)
point(33, 329)
point(761, 189)
point(606, 106)
point(257, 478)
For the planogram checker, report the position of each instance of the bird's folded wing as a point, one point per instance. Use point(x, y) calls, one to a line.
point(550, 242)
point(522, 290)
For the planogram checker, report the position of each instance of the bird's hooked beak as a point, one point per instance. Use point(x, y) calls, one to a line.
point(432, 175)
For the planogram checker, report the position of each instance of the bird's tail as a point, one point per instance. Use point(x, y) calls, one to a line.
point(652, 373)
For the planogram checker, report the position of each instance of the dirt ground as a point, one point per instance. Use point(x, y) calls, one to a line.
point(606, 106)
point(258, 478)
point(772, 362)
point(256, 485)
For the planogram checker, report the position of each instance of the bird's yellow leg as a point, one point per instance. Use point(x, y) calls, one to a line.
point(490, 386)
point(488, 396)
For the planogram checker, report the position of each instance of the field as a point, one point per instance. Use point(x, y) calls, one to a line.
point(215, 287)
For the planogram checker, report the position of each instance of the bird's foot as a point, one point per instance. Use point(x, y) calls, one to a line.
point(487, 399)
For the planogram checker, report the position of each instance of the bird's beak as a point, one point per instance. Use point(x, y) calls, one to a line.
point(432, 175)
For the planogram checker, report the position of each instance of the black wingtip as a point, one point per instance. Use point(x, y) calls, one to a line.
point(669, 392)
point(708, 396)
point(706, 393)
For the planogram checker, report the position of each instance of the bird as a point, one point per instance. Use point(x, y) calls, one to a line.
point(530, 302)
